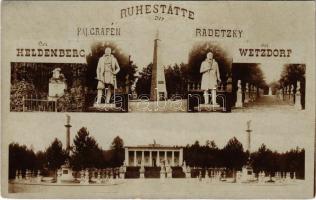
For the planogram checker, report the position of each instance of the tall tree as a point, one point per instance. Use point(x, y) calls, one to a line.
point(21, 158)
point(233, 154)
point(55, 155)
point(144, 81)
point(86, 153)
point(117, 152)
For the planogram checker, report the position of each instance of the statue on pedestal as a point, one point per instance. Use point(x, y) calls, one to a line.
point(16, 175)
point(99, 177)
point(20, 175)
point(122, 171)
point(59, 173)
point(107, 69)
point(86, 177)
point(38, 176)
point(210, 76)
point(188, 172)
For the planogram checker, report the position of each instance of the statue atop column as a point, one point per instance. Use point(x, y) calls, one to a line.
point(107, 69)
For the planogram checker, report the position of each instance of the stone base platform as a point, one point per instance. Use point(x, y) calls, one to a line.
point(209, 108)
point(103, 107)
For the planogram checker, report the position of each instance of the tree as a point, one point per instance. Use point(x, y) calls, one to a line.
point(266, 160)
point(291, 74)
point(233, 154)
point(87, 153)
point(247, 73)
point(117, 152)
point(177, 79)
point(117, 143)
point(55, 155)
point(144, 81)
point(20, 158)
point(211, 144)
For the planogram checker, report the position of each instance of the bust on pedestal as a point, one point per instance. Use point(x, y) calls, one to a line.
point(163, 171)
point(57, 85)
point(142, 170)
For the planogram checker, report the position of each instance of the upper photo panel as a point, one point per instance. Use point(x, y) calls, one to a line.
point(158, 57)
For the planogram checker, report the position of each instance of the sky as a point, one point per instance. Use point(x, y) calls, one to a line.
point(277, 131)
point(174, 44)
point(272, 70)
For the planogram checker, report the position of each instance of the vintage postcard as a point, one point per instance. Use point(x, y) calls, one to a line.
point(154, 99)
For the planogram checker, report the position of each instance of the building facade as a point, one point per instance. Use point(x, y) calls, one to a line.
point(153, 155)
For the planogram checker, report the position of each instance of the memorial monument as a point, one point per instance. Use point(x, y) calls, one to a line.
point(158, 89)
point(210, 76)
point(106, 72)
point(247, 174)
point(57, 85)
point(65, 172)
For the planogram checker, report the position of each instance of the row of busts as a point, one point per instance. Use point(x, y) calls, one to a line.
point(166, 169)
point(213, 173)
point(29, 176)
point(279, 177)
point(216, 175)
point(102, 176)
point(282, 177)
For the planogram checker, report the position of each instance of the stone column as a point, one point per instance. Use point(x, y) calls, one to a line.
point(126, 157)
point(181, 157)
point(239, 103)
point(135, 158)
point(165, 158)
point(158, 159)
point(143, 158)
point(172, 159)
point(150, 158)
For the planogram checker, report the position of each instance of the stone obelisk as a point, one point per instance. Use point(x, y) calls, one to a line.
point(158, 82)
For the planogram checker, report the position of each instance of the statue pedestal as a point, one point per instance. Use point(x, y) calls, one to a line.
point(188, 175)
point(66, 174)
point(57, 85)
point(142, 171)
point(162, 173)
point(56, 89)
point(247, 174)
point(104, 105)
point(122, 175)
point(209, 108)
